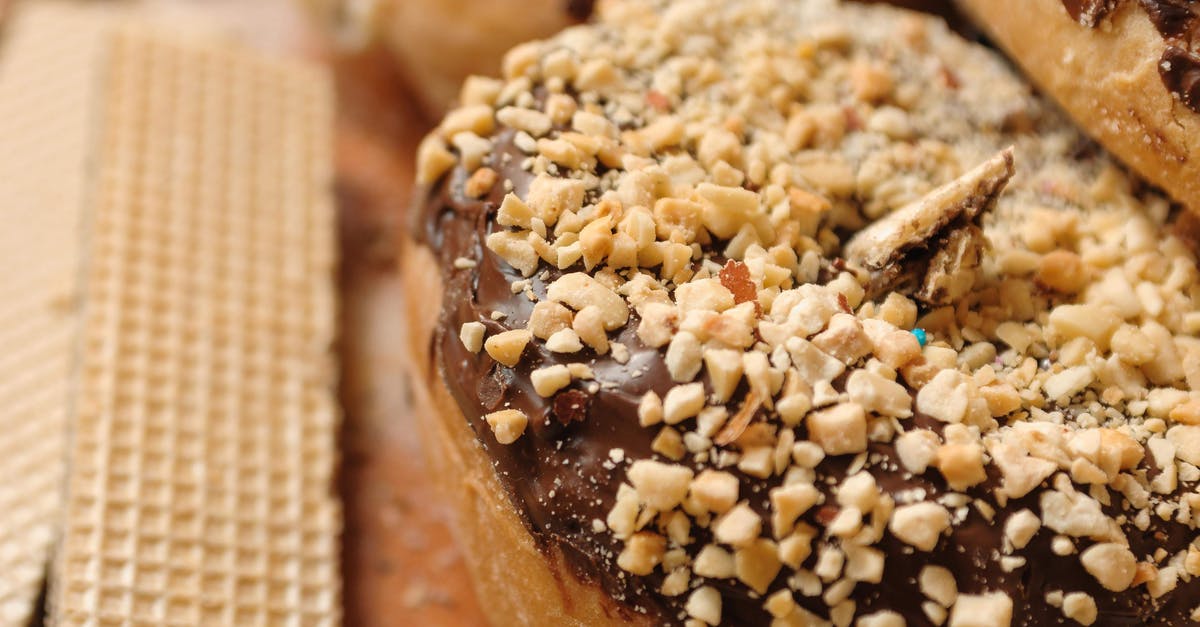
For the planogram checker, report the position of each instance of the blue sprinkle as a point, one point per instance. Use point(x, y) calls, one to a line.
point(921, 338)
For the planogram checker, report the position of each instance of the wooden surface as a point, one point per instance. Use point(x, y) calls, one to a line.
point(401, 566)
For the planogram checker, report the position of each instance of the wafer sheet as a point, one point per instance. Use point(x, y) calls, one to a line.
point(200, 486)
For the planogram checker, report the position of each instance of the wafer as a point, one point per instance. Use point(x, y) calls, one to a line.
point(46, 76)
point(203, 447)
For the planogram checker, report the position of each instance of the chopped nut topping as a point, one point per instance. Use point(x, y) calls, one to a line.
point(1062, 270)
point(1021, 527)
point(715, 490)
point(643, 552)
point(724, 367)
point(531, 121)
point(507, 347)
point(917, 450)
point(884, 618)
point(480, 182)
point(938, 584)
point(433, 160)
point(961, 464)
point(780, 604)
point(1187, 442)
point(507, 425)
point(844, 339)
point(714, 562)
point(705, 604)
point(738, 527)
point(1080, 607)
point(683, 357)
point(864, 564)
point(756, 564)
point(879, 395)
point(650, 410)
point(546, 381)
point(564, 341)
point(993, 609)
point(1111, 564)
point(660, 486)
point(471, 335)
point(588, 326)
point(683, 402)
point(920, 524)
point(789, 503)
point(472, 118)
point(472, 149)
point(945, 397)
point(839, 430)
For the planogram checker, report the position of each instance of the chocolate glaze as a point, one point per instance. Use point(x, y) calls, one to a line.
point(1089, 12)
point(1178, 21)
point(1180, 72)
point(1174, 19)
point(559, 477)
point(580, 10)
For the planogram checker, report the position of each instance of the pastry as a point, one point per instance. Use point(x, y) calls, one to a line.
point(1127, 71)
point(438, 43)
point(800, 313)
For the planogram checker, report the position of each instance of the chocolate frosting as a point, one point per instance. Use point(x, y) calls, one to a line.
point(1180, 72)
point(1174, 19)
point(1178, 21)
point(561, 476)
point(581, 10)
point(1089, 12)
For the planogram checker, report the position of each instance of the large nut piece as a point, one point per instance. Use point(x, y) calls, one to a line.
point(839, 430)
point(715, 490)
point(920, 524)
point(879, 395)
point(578, 290)
point(1112, 564)
point(738, 527)
point(993, 609)
point(660, 486)
point(507, 347)
point(507, 424)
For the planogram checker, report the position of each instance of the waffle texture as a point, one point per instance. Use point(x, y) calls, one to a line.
point(200, 488)
point(45, 83)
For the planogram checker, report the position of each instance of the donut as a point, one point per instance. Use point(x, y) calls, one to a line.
point(1128, 72)
point(438, 43)
point(799, 312)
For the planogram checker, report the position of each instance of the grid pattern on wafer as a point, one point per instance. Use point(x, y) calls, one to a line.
point(47, 72)
point(202, 457)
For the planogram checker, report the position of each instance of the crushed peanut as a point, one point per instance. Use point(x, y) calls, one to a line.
point(507, 424)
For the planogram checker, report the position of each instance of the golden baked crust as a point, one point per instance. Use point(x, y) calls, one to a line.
point(1108, 79)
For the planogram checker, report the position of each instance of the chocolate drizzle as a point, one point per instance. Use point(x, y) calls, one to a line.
point(561, 475)
point(1178, 21)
